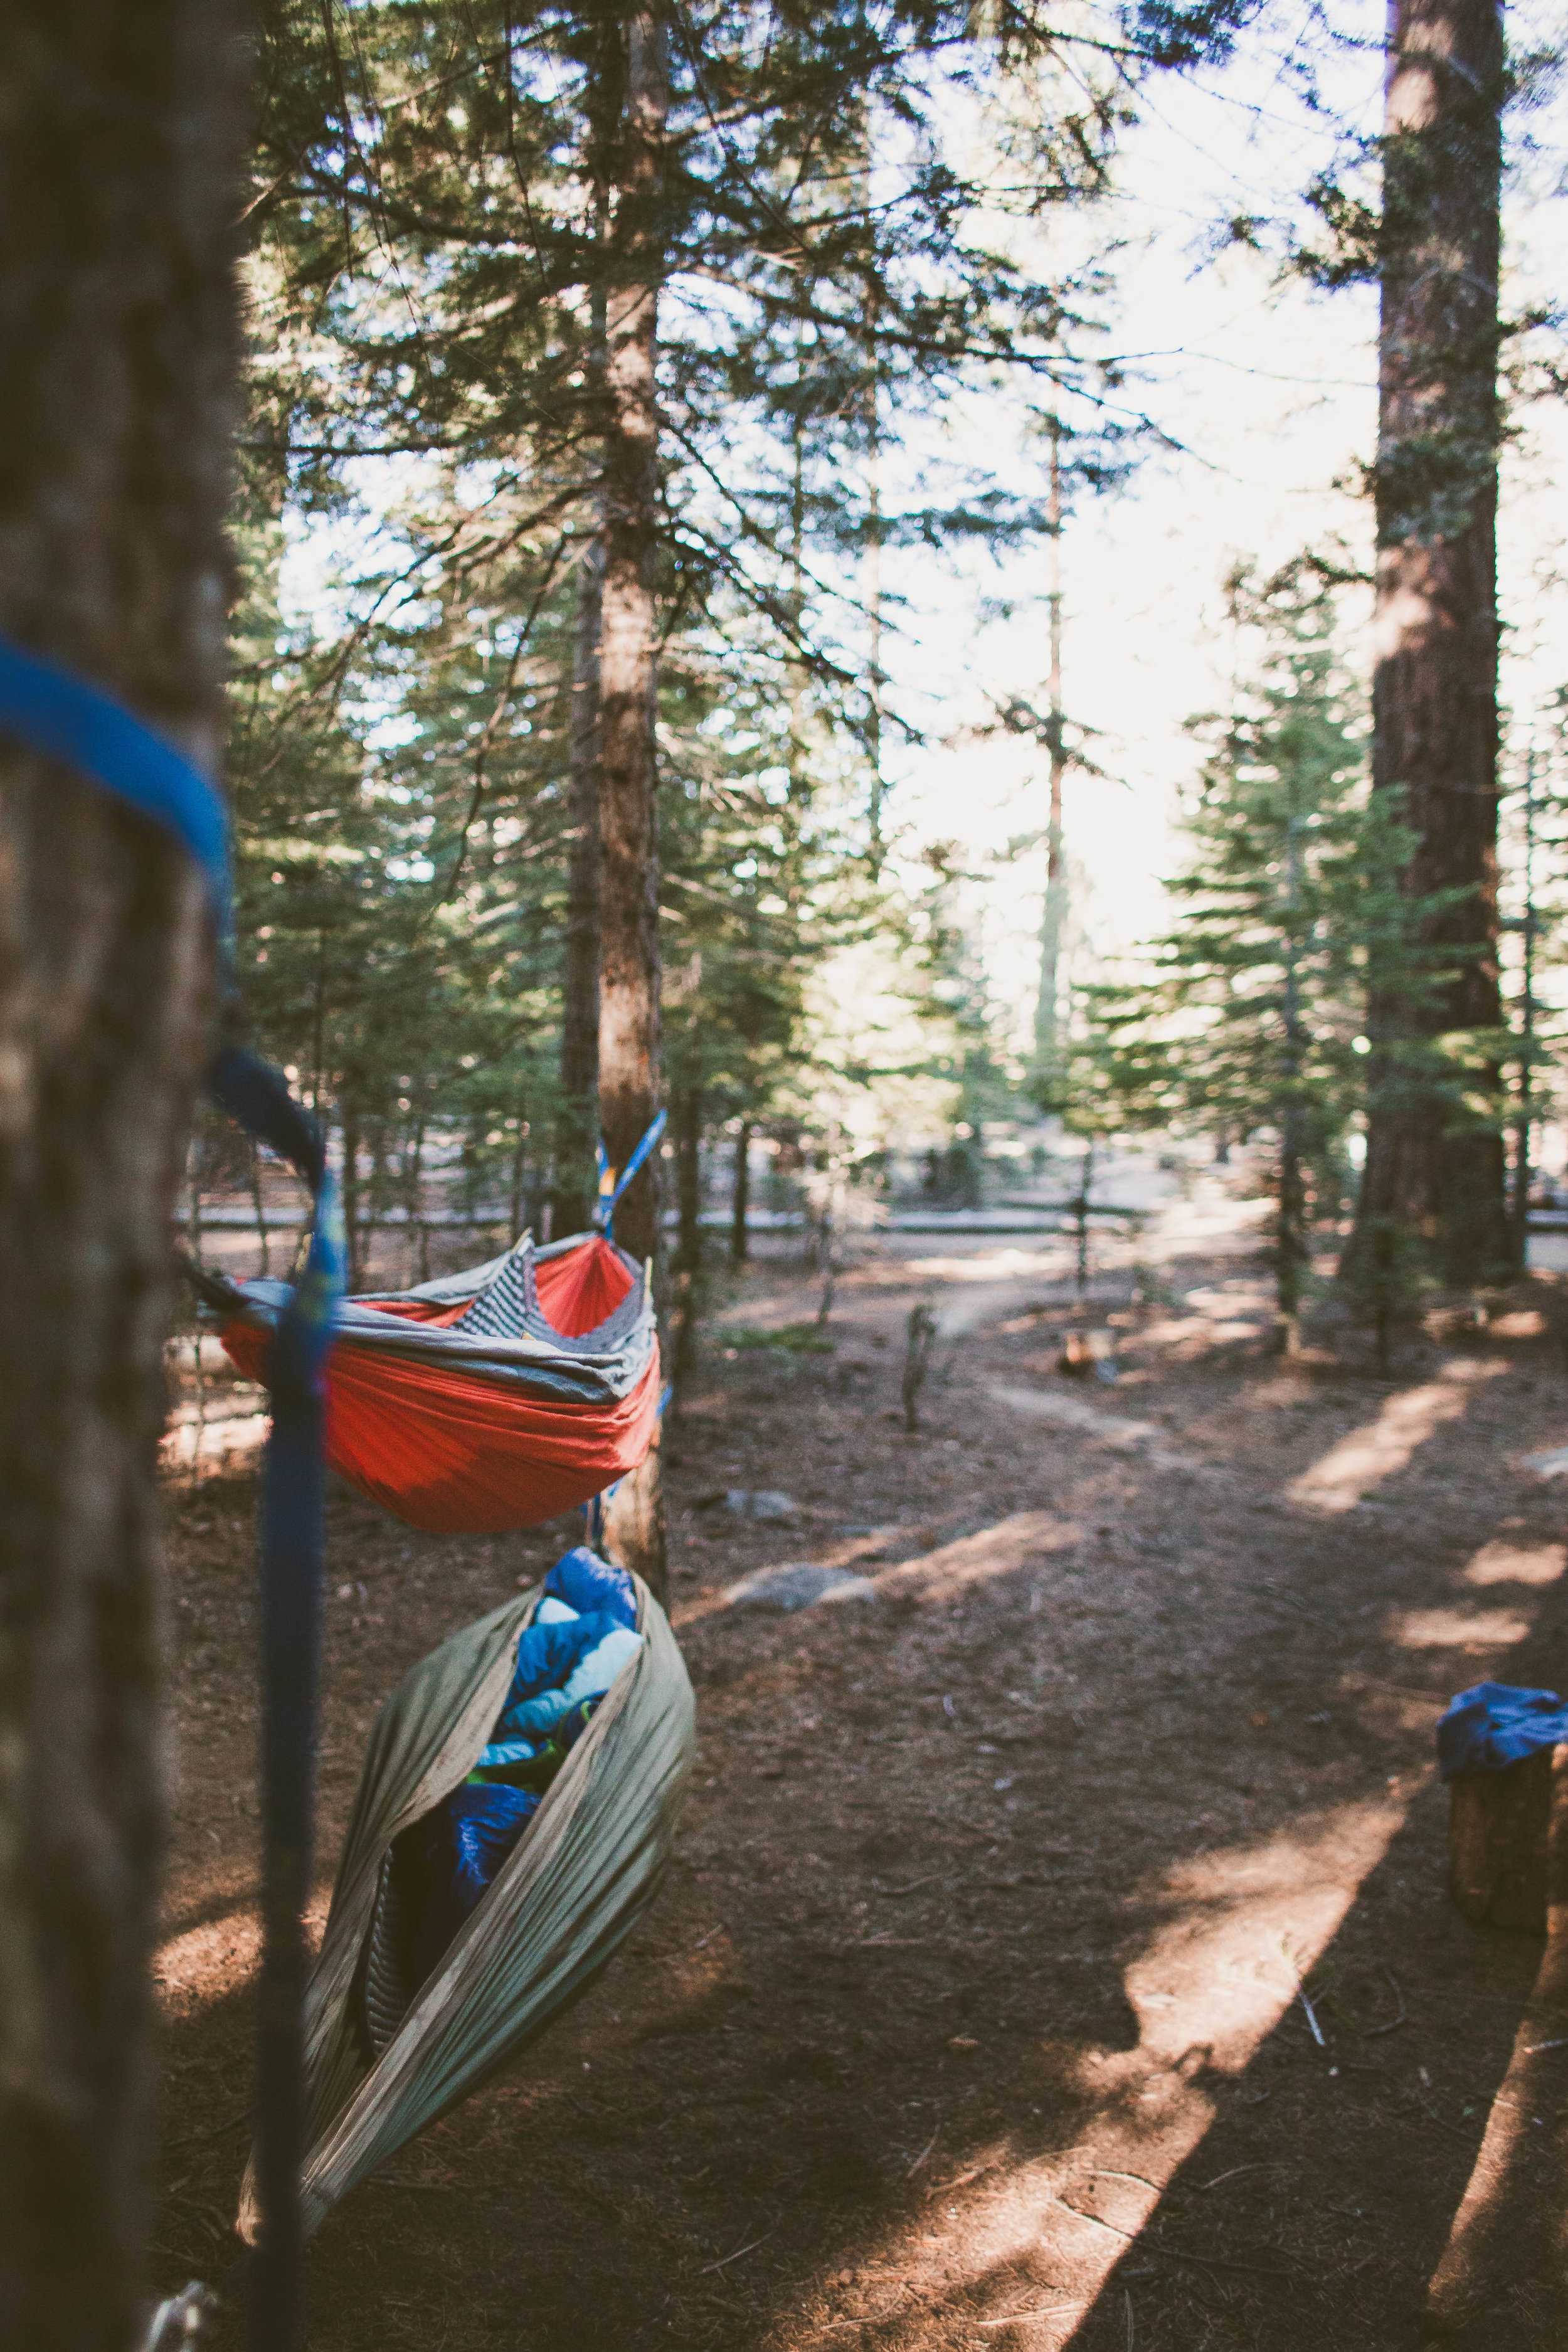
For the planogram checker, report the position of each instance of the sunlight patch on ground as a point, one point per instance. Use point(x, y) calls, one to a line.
point(938, 1575)
point(1039, 2241)
point(998, 1550)
point(1176, 1331)
point(1458, 1629)
point(208, 1962)
point(993, 1265)
point(1506, 1563)
point(1380, 1450)
point(1121, 1436)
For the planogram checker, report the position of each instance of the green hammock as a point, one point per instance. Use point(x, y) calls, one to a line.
point(563, 1902)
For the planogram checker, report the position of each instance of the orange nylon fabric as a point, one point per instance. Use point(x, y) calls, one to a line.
point(460, 1453)
point(581, 1287)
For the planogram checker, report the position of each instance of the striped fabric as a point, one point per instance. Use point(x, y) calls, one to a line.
point(501, 1310)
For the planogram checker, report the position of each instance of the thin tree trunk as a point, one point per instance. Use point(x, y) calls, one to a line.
point(353, 1231)
point(117, 185)
point(259, 1203)
point(1081, 1208)
point(686, 1123)
point(195, 1157)
point(1434, 687)
point(414, 1198)
point(687, 1139)
point(577, 1126)
point(1291, 1241)
point(741, 1197)
point(519, 1163)
point(1526, 1113)
point(1054, 924)
point(628, 881)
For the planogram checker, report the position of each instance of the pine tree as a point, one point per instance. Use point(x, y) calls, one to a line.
point(1252, 1017)
point(1434, 250)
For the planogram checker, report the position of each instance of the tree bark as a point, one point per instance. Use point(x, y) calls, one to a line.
point(353, 1229)
point(577, 1126)
point(687, 1124)
point(1434, 686)
point(1053, 927)
point(117, 188)
point(741, 1198)
point(628, 834)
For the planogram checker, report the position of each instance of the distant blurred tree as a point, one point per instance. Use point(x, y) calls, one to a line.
point(1251, 1016)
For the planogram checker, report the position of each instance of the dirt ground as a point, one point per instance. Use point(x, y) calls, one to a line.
point(971, 2013)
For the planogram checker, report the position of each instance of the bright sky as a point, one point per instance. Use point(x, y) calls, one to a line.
point(1270, 393)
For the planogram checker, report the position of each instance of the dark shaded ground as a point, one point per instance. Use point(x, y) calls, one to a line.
point(966, 2015)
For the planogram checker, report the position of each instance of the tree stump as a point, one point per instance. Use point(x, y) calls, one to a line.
point(1498, 1838)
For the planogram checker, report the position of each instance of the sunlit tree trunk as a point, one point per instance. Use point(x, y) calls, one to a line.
point(629, 1076)
point(117, 188)
point(1435, 692)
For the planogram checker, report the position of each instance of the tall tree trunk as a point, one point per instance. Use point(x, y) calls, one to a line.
point(117, 185)
point(577, 1126)
point(1525, 1114)
point(1290, 1240)
point(741, 1198)
point(628, 836)
point(353, 1229)
point(1048, 1041)
point(687, 1124)
point(1434, 689)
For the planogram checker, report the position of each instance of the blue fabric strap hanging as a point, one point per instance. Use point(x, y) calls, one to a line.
point(61, 719)
point(610, 1188)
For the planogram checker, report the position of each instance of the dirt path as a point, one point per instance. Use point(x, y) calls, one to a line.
point(972, 2012)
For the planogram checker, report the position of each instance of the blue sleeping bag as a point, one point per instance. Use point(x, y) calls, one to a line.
point(566, 1660)
point(444, 1864)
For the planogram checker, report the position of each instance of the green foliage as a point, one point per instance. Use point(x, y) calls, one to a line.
point(790, 1339)
point(1249, 1017)
point(433, 243)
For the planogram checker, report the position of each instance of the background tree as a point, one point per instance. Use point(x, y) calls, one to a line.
point(1434, 250)
point(119, 167)
point(1294, 910)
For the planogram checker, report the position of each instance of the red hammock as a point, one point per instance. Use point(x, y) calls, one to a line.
point(491, 1400)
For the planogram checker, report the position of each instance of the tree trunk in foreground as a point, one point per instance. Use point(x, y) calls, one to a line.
point(1434, 687)
point(118, 171)
point(628, 836)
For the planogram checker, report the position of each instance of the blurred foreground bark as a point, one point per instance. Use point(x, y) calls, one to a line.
point(117, 177)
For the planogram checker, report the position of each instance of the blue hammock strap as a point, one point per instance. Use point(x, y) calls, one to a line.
point(611, 1187)
point(62, 717)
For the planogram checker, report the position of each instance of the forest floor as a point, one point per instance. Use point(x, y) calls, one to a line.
point(970, 2013)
